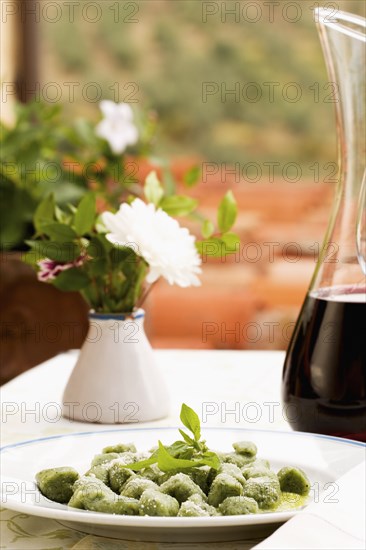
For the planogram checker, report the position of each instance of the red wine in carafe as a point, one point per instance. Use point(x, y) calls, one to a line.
point(324, 378)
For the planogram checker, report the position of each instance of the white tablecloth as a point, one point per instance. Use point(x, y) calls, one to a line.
point(234, 388)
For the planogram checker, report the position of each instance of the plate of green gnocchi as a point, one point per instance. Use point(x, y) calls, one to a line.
point(145, 484)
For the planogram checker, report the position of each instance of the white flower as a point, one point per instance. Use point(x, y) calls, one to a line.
point(117, 127)
point(168, 248)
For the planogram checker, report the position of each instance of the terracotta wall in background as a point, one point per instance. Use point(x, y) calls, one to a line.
point(251, 300)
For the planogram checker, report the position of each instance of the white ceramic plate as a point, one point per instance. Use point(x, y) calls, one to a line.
point(324, 459)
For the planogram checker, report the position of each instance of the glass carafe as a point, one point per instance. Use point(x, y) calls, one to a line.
point(324, 377)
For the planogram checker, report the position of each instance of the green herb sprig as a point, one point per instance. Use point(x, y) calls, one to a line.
point(190, 452)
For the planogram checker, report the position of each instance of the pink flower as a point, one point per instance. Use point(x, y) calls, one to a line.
point(50, 269)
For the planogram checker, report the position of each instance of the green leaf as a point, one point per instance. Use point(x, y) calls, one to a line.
point(98, 268)
point(170, 184)
point(62, 216)
point(71, 280)
point(44, 213)
point(153, 190)
point(121, 254)
point(30, 258)
point(191, 421)
point(85, 214)
point(179, 449)
point(192, 176)
point(207, 229)
point(68, 192)
point(98, 247)
point(211, 459)
point(186, 437)
point(58, 252)
point(99, 226)
point(167, 462)
point(210, 247)
point(59, 232)
point(137, 466)
point(231, 241)
point(178, 205)
point(227, 212)
point(72, 208)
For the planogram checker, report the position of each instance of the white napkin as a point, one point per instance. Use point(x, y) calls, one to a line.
point(328, 525)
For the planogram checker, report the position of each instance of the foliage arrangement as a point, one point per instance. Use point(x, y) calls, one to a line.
point(43, 153)
point(113, 258)
point(105, 234)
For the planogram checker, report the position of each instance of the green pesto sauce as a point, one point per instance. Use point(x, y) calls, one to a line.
point(290, 501)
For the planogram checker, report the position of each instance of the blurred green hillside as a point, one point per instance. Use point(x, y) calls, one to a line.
point(166, 53)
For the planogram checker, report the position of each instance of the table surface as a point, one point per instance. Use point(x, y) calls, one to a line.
point(230, 388)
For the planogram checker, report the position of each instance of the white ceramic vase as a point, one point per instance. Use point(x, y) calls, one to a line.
point(116, 379)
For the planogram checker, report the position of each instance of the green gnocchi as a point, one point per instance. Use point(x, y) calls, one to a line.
point(122, 481)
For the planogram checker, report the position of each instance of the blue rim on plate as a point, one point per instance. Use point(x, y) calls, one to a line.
point(167, 428)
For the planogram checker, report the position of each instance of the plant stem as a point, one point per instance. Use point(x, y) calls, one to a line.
point(145, 295)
